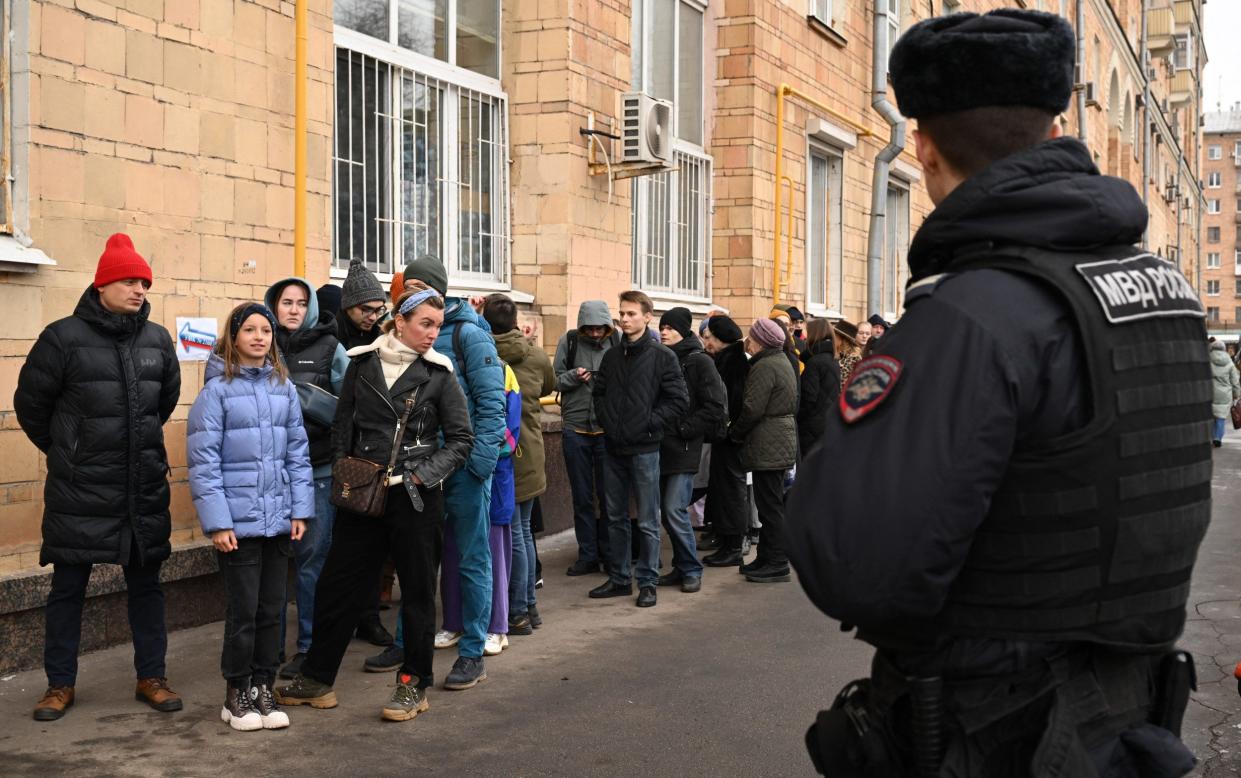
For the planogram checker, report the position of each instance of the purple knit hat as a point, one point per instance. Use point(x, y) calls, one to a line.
point(767, 333)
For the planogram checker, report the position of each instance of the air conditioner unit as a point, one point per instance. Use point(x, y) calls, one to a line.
point(1092, 97)
point(1169, 195)
point(646, 128)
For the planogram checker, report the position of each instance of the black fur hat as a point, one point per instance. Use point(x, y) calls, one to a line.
point(1005, 57)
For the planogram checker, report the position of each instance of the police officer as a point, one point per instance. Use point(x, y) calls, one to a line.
point(1023, 562)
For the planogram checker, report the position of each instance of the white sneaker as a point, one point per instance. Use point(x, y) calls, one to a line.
point(503, 642)
point(446, 639)
point(261, 700)
point(494, 644)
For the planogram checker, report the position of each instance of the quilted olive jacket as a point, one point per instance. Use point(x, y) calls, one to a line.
point(766, 428)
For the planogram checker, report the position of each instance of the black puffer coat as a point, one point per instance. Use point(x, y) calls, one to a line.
point(820, 391)
point(681, 451)
point(93, 395)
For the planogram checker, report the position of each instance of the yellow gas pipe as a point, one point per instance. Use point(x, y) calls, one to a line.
point(299, 141)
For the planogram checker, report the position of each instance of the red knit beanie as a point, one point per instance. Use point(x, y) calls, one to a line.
point(119, 261)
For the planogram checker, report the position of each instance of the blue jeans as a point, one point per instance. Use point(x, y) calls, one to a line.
point(583, 461)
point(521, 578)
point(309, 554)
point(639, 472)
point(1219, 429)
point(677, 490)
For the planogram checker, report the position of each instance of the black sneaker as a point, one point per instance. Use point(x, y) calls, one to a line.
point(609, 589)
point(769, 574)
point(290, 671)
point(582, 568)
point(262, 701)
point(407, 700)
point(391, 658)
point(306, 691)
point(374, 633)
point(708, 541)
point(536, 620)
point(723, 558)
point(467, 671)
point(670, 579)
point(750, 567)
point(519, 624)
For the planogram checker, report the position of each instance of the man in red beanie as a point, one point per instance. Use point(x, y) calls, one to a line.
point(93, 395)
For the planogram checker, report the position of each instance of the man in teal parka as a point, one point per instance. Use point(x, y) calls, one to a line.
point(467, 493)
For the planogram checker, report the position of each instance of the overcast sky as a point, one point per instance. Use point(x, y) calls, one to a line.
point(1221, 82)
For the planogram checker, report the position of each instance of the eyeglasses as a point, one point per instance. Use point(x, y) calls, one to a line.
point(369, 312)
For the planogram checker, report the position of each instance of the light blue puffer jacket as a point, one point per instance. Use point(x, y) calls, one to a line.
point(248, 454)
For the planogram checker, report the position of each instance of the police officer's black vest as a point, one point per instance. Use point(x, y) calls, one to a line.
point(1093, 536)
point(311, 363)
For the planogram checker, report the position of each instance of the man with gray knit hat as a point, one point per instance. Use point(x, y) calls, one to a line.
point(363, 307)
point(1022, 560)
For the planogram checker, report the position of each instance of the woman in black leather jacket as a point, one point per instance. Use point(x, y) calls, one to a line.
point(399, 366)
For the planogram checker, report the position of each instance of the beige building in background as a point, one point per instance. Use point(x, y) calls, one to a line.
point(456, 127)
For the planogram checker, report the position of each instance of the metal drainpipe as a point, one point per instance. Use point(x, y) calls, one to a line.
point(299, 141)
point(1180, 262)
point(1080, 23)
point(1144, 56)
point(879, 185)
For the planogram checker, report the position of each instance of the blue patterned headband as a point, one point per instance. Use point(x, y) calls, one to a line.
point(416, 299)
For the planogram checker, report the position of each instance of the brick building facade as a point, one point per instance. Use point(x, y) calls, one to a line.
point(455, 127)
point(1221, 220)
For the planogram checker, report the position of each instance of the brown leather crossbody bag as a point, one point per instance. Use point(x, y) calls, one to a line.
point(361, 486)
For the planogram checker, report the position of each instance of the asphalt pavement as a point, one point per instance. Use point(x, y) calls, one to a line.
point(723, 682)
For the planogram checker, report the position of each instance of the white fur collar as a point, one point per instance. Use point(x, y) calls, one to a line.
point(432, 356)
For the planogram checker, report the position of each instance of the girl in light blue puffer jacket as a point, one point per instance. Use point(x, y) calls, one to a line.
point(253, 488)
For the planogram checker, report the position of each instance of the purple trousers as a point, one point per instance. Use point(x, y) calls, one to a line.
point(500, 540)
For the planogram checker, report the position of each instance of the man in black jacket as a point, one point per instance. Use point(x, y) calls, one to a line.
point(638, 391)
point(93, 395)
point(1022, 563)
point(681, 452)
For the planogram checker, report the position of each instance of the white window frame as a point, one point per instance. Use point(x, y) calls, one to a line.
point(1236, 260)
point(1213, 287)
point(1212, 260)
point(1215, 152)
point(1183, 56)
point(895, 252)
point(1212, 206)
point(895, 14)
point(681, 277)
point(831, 304)
point(457, 84)
point(1214, 180)
point(1236, 150)
point(1213, 314)
point(822, 10)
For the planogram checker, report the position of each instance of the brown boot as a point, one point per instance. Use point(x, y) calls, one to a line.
point(55, 700)
point(155, 692)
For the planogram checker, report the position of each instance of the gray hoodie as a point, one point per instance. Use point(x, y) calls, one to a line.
point(576, 407)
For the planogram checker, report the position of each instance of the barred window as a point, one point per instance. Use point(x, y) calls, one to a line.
point(671, 227)
point(420, 153)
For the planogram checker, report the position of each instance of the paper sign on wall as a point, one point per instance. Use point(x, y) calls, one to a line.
point(195, 338)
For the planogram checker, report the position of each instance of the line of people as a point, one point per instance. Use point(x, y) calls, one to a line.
point(446, 391)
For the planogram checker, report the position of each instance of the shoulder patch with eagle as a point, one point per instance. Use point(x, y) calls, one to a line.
point(870, 383)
